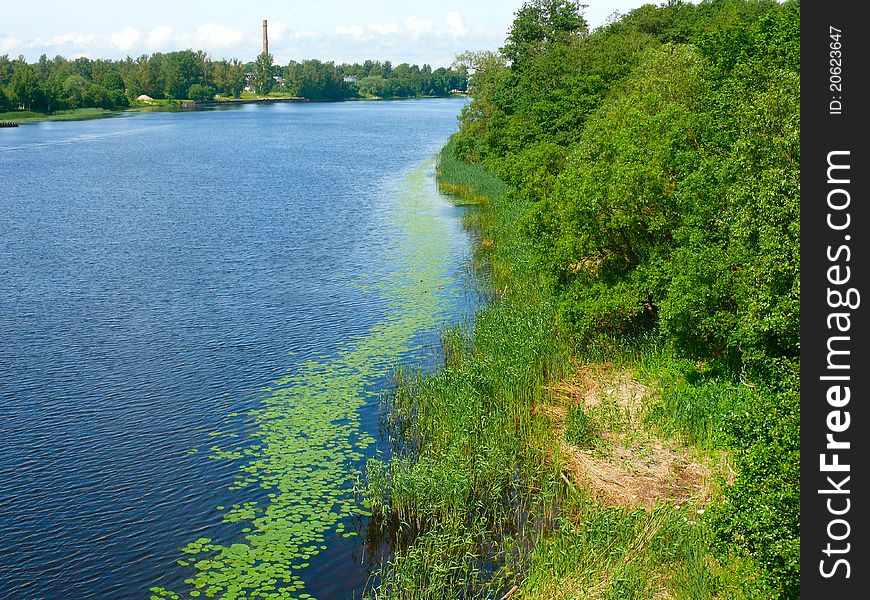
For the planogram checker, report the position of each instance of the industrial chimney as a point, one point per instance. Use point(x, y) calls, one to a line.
point(265, 37)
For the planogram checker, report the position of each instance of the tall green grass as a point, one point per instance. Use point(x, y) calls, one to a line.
point(78, 114)
point(466, 183)
point(472, 481)
point(475, 494)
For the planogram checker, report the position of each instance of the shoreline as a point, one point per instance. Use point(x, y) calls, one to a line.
point(532, 453)
point(91, 114)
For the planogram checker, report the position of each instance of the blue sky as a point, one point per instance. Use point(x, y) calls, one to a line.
point(341, 30)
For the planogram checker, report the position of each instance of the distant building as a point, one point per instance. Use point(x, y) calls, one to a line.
point(351, 79)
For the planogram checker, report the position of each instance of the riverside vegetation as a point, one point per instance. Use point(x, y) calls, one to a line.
point(82, 88)
point(622, 420)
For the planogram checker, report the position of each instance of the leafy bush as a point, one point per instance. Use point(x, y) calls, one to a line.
point(660, 157)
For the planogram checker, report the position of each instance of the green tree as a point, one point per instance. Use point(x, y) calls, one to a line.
point(5, 70)
point(373, 85)
point(540, 22)
point(180, 70)
point(75, 89)
point(24, 87)
point(229, 77)
point(263, 79)
point(200, 93)
point(487, 71)
point(113, 81)
point(5, 102)
point(611, 218)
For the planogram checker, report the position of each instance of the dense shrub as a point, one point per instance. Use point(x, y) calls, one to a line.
point(661, 157)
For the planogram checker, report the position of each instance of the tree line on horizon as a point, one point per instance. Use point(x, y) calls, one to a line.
point(50, 85)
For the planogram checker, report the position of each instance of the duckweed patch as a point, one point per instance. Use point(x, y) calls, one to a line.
point(308, 446)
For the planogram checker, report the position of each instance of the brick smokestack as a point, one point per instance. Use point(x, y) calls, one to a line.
point(265, 37)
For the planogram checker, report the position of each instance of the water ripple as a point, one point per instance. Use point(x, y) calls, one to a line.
point(152, 284)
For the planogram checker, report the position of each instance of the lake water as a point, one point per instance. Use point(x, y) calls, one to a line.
point(199, 315)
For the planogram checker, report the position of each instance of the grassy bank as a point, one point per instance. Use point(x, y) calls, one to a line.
point(466, 183)
point(79, 114)
point(531, 468)
point(158, 105)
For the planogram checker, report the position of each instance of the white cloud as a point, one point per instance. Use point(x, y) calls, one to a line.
point(64, 39)
point(417, 27)
point(219, 36)
point(351, 30)
point(383, 30)
point(412, 28)
point(72, 39)
point(158, 37)
point(126, 38)
point(456, 24)
point(9, 44)
point(277, 29)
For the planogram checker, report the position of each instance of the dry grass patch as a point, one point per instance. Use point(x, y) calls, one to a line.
point(627, 465)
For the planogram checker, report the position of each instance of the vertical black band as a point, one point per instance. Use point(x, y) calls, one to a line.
point(835, 370)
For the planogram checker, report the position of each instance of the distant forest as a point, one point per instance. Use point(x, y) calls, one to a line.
point(49, 85)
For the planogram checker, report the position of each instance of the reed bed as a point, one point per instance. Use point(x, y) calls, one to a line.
point(476, 494)
point(466, 183)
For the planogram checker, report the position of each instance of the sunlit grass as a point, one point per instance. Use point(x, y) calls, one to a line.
point(476, 493)
point(466, 183)
point(79, 114)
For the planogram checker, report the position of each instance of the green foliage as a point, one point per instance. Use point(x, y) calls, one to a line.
point(488, 71)
point(660, 155)
point(263, 81)
point(24, 88)
point(49, 86)
point(229, 77)
point(467, 183)
point(76, 90)
point(541, 24)
point(373, 85)
point(383, 80)
point(761, 512)
point(200, 93)
point(580, 428)
point(316, 80)
point(180, 70)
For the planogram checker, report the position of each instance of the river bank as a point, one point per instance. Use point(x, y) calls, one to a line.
point(531, 467)
point(26, 117)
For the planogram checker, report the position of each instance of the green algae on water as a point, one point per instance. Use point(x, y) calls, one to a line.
point(308, 440)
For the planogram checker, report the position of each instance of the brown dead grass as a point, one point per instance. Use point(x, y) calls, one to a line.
point(629, 466)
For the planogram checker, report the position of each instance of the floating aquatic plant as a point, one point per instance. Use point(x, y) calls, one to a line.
point(309, 448)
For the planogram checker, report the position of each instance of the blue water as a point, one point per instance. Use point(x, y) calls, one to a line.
point(156, 272)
